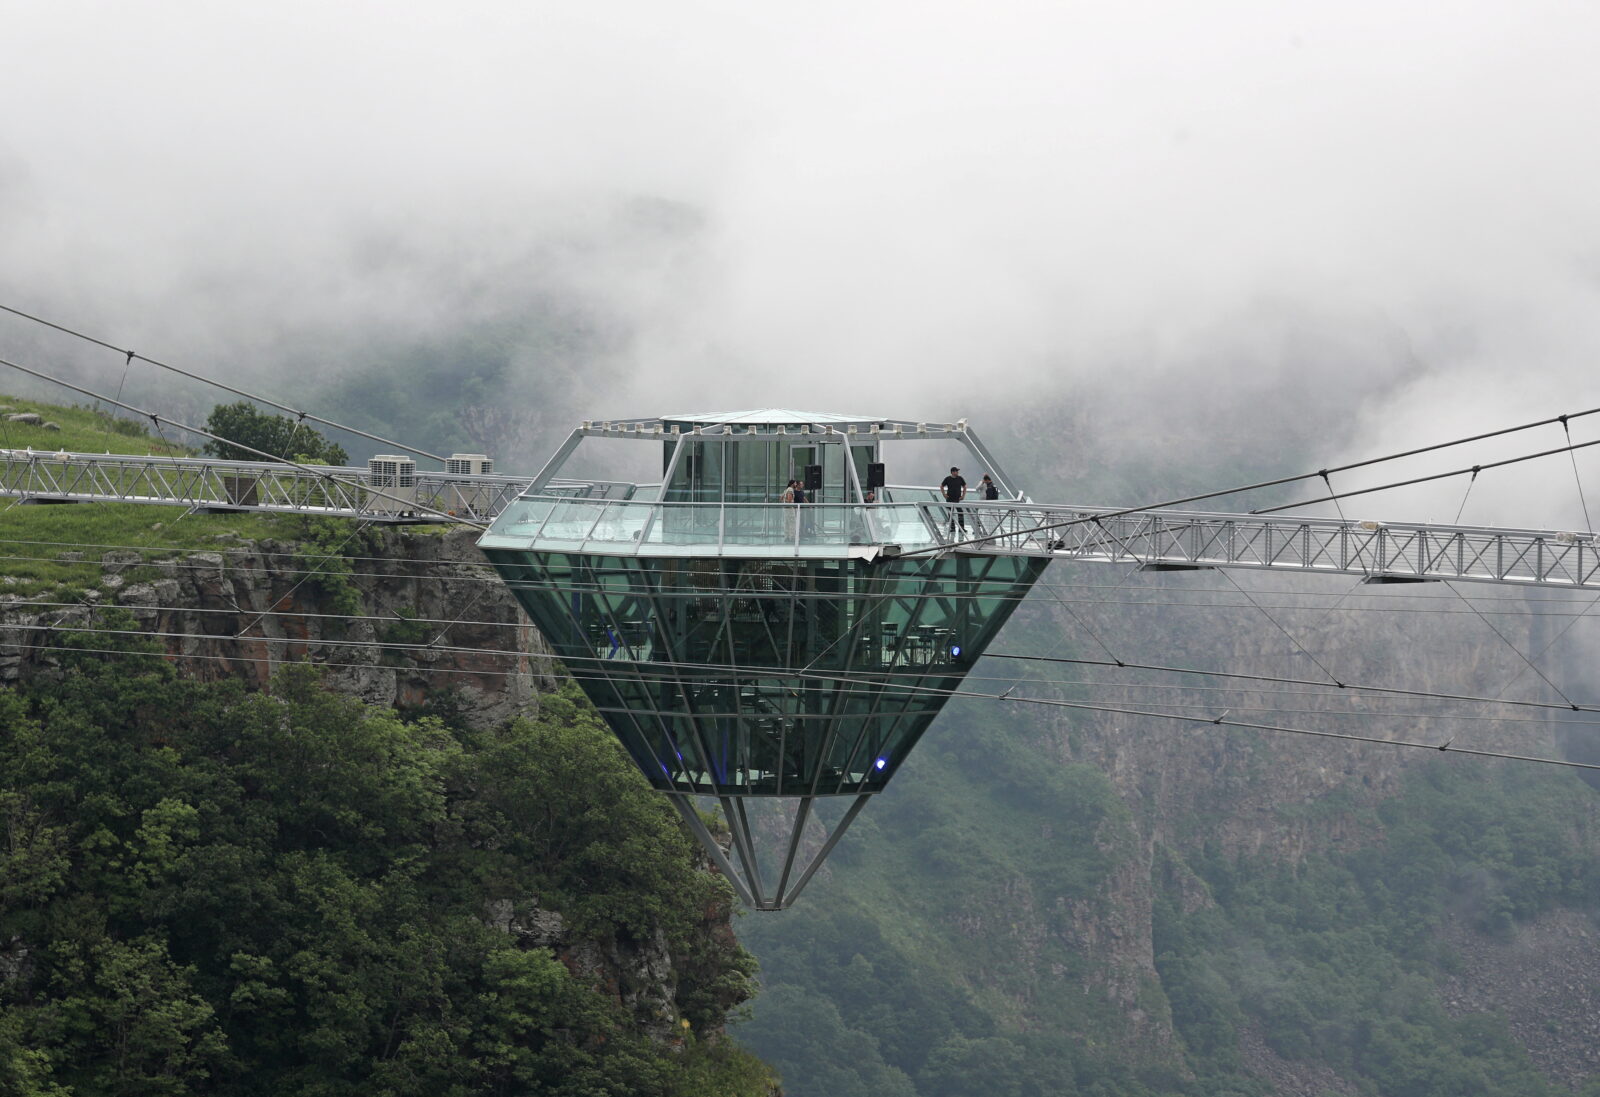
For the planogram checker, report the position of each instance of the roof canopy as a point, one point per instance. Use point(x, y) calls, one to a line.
point(771, 417)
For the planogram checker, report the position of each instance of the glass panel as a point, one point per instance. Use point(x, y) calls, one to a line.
point(766, 676)
point(862, 456)
point(621, 522)
point(522, 518)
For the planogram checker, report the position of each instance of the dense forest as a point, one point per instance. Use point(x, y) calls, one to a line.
point(209, 890)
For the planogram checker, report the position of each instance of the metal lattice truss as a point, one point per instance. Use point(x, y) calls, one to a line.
point(772, 882)
point(1383, 552)
point(32, 476)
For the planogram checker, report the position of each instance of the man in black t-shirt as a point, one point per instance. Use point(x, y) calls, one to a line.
point(955, 490)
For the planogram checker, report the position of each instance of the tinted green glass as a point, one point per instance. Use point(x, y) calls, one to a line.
point(767, 677)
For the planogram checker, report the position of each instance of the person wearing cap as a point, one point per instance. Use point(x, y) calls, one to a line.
point(955, 490)
point(988, 492)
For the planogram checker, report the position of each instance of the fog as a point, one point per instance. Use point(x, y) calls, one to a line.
point(1293, 234)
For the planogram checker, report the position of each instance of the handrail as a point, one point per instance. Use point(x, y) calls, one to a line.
point(1167, 539)
point(216, 484)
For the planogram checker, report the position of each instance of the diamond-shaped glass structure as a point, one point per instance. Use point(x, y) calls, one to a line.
point(744, 647)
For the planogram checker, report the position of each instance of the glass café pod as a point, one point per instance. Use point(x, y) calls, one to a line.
point(744, 648)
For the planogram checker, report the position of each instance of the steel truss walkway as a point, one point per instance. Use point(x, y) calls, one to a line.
point(34, 476)
point(1181, 540)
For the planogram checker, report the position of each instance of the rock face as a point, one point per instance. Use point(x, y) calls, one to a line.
point(431, 623)
point(643, 977)
point(1283, 798)
point(1545, 981)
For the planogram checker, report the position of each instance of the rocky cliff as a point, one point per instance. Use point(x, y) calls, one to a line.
point(1167, 907)
point(1252, 797)
point(424, 617)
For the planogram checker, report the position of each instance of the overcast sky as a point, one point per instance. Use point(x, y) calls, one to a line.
point(888, 207)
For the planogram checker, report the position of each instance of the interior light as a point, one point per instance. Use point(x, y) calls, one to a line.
point(880, 763)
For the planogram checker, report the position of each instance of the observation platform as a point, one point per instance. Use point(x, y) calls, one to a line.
point(750, 648)
point(761, 651)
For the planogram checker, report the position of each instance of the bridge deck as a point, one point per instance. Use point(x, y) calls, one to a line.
point(1383, 552)
point(591, 517)
point(1174, 539)
point(34, 476)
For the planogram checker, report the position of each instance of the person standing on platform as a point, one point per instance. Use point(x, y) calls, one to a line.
point(800, 500)
point(791, 517)
point(988, 492)
point(865, 528)
point(955, 490)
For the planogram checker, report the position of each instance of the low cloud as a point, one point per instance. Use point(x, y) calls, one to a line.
point(1357, 228)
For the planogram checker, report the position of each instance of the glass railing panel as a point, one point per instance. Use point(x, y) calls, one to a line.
point(619, 523)
point(522, 518)
point(900, 524)
point(756, 524)
point(626, 523)
point(632, 519)
point(687, 524)
point(571, 520)
point(909, 493)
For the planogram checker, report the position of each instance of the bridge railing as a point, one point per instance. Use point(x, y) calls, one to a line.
point(1194, 539)
point(32, 475)
point(625, 526)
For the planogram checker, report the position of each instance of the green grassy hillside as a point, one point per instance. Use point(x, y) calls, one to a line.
point(82, 430)
point(55, 549)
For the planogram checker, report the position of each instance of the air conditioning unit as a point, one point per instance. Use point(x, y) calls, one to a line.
point(396, 478)
point(469, 464)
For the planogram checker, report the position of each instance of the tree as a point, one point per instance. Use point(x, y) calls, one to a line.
point(278, 435)
point(209, 890)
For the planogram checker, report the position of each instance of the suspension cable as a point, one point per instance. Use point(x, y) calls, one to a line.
point(756, 670)
point(298, 413)
point(1322, 474)
point(1473, 470)
point(313, 470)
point(830, 682)
point(1352, 687)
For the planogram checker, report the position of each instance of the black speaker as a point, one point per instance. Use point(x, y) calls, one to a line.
point(813, 478)
point(875, 474)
